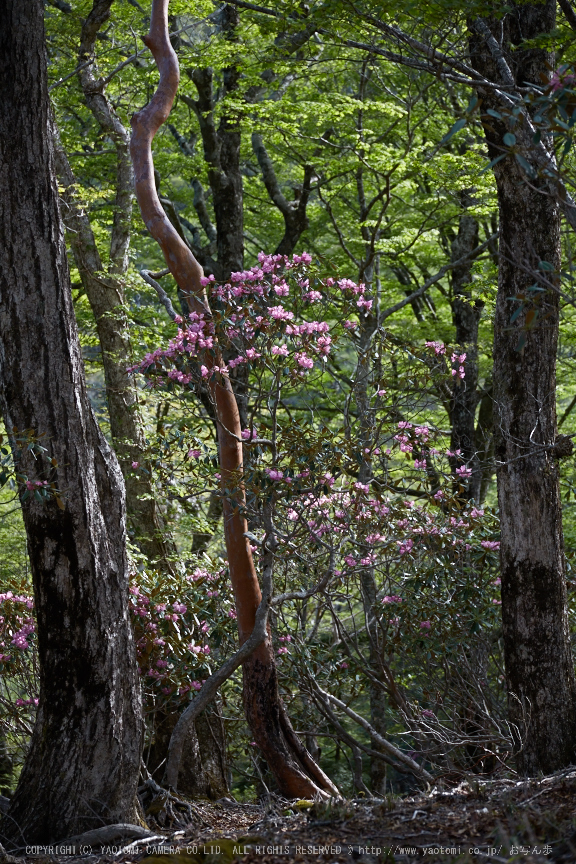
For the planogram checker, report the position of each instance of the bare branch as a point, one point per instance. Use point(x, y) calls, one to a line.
point(393, 751)
point(210, 687)
point(569, 13)
point(470, 256)
point(162, 295)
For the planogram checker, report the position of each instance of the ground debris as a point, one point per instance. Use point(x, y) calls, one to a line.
point(497, 821)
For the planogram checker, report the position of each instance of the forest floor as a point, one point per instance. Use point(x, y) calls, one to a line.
point(484, 821)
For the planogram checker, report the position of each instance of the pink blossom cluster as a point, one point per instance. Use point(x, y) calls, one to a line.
point(562, 77)
point(33, 485)
point(261, 314)
point(27, 703)
point(16, 624)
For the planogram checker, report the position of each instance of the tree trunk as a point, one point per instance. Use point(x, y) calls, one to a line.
point(288, 759)
point(539, 666)
point(106, 297)
point(465, 317)
point(82, 766)
point(202, 771)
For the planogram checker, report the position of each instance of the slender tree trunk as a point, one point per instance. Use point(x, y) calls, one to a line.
point(292, 766)
point(539, 666)
point(82, 766)
point(105, 292)
point(106, 297)
point(465, 317)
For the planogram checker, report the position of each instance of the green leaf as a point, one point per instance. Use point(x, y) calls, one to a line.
point(509, 139)
point(455, 128)
point(516, 314)
point(472, 104)
point(525, 165)
point(493, 162)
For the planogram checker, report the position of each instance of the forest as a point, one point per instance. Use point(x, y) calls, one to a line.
point(288, 398)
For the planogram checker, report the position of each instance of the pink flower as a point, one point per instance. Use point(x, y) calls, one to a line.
point(362, 303)
point(405, 547)
point(179, 607)
point(280, 314)
point(439, 347)
point(194, 454)
point(249, 434)
point(425, 625)
point(304, 361)
point(393, 598)
point(280, 350)
point(135, 464)
point(492, 545)
point(464, 472)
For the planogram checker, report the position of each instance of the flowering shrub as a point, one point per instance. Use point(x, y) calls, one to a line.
point(343, 523)
point(180, 624)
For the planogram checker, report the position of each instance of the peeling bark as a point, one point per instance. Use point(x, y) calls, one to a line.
point(262, 702)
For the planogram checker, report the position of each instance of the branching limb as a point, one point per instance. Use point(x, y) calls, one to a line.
point(162, 295)
point(470, 256)
point(211, 686)
point(569, 13)
point(408, 763)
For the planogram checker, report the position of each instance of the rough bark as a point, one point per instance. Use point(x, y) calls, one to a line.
point(202, 769)
point(82, 766)
point(105, 292)
point(466, 317)
point(263, 706)
point(539, 668)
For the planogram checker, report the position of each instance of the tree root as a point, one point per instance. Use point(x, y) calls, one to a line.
point(167, 810)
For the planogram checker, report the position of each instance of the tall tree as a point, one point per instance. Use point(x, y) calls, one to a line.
point(82, 766)
point(539, 666)
point(293, 768)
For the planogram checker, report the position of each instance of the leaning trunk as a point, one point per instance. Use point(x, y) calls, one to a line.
point(539, 666)
point(83, 762)
point(288, 760)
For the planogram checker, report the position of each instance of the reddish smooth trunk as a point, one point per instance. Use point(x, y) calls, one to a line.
point(265, 713)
